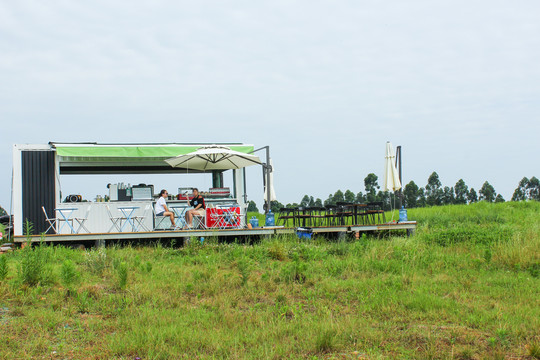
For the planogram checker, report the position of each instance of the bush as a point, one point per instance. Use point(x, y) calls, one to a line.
point(69, 274)
point(3, 267)
point(122, 272)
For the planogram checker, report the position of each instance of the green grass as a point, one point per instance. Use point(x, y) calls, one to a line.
point(472, 294)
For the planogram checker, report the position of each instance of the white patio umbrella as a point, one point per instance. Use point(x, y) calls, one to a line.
point(214, 157)
point(391, 177)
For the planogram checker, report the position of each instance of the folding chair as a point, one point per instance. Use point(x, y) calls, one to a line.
point(81, 221)
point(138, 220)
point(52, 221)
point(158, 220)
point(115, 220)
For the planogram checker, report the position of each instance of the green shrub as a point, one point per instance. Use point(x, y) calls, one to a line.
point(3, 267)
point(34, 264)
point(96, 261)
point(244, 267)
point(122, 273)
point(325, 340)
point(69, 274)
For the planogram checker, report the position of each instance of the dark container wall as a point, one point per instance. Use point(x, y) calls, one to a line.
point(38, 188)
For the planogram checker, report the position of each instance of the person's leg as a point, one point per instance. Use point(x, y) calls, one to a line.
point(171, 216)
point(189, 217)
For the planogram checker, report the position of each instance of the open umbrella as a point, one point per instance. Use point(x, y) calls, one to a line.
point(214, 157)
point(391, 177)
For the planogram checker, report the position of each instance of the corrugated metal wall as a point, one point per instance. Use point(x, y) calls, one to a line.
point(38, 188)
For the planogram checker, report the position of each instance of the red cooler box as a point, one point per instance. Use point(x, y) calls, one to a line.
point(220, 218)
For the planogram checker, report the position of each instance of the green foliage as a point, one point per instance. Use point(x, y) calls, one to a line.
point(325, 341)
point(3, 267)
point(34, 264)
point(69, 274)
point(96, 261)
point(472, 197)
point(244, 267)
point(410, 193)
point(371, 186)
point(375, 297)
point(252, 206)
point(434, 193)
point(487, 192)
point(461, 192)
point(122, 274)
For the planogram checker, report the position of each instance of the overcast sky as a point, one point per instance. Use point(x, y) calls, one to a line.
point(325, 84)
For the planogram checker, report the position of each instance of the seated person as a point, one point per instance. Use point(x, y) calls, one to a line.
point(198, 207)
point(162, 209)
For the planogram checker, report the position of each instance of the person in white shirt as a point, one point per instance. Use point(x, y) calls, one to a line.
point(162, 209)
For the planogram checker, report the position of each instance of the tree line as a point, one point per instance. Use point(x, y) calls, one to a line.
point(432, 194)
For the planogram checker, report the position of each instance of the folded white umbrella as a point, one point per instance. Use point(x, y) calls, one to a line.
point(391, 176)
point(214, 157)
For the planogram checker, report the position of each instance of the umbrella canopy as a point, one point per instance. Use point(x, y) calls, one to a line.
point(214, 158)
point(391, 177)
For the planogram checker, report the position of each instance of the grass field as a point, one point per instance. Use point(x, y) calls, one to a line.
point(466, 286)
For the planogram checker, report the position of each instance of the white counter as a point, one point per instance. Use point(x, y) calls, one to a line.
point(99, 220)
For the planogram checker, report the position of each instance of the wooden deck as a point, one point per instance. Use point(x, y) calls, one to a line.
point(409, 226)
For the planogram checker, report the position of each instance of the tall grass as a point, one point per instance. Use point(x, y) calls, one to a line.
point(426, 296)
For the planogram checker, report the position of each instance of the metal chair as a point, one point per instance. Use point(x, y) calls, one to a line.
point(138, 220)
point(158, 219)
point(52, 221)
point(82, 220)
point(317, 215)
point(303, 215)
point(330, 215)
point(375, 210)
point(115, 220)
point(284, 215)
point(344, 212)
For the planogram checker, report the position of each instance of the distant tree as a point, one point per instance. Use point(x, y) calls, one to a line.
point(305, 201)
point(371, 185)
point(311, 201)
point(533, 189)
point(330, 200)
point(360, 198)
point(386, 198)
point(275, 206)
point(520, 193)
point(487, 192)
point(448, 197)
point(318, 202)
point(472, 197)
point(421, 197)
point(410, 193)
point(349, 196)
point(293, 205)
point(434, 193)
point(2, 211)
point(338, 197)
point(252, 206)
point(499, 198)
point(461, 191)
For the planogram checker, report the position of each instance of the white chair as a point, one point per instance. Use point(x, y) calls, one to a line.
point(158, 220)
point(138, 220)
point(52, 221)
point(115, 220)
point(82, 220)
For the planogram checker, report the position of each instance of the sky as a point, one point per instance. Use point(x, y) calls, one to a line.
point(324, 83)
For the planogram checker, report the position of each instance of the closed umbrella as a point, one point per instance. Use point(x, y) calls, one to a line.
point(391, 177)
point(214, 157)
